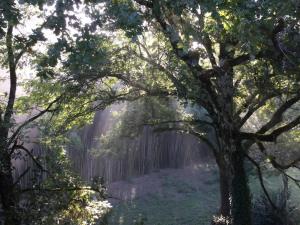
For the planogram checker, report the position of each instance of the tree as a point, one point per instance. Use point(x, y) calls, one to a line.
point(234, 58)
point(36, 35)
point(71, 78)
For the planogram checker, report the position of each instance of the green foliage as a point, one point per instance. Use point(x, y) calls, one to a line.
point(89, 58)
point(130, 122)
point(83, 69)
point(62, 197)
point(125, 16)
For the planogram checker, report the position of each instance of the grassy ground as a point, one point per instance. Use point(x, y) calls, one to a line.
point(177, 197)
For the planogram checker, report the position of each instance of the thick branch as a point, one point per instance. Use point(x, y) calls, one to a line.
point(277, 116)
point(272, 137)
point(208, 47)
point(172, 35)
point(230, 63)
point(253, 108)
point(276, 165)
point(276, 119)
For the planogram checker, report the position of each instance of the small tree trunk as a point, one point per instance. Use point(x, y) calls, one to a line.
point(7, 191)
point(8, 198)
point(241, 198)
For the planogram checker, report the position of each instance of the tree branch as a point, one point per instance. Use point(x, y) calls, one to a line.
point(181, 121)
point(153, 62)
point(274, 163)
point(277, 116)
point(208, 47)
point(58, 189)
point(172, 35)
point(13, 79)
point(272, 137)
point(253, 108)
point(48, 109)
point(261, 181)
point(21, 176)
point(194, 133)
point(32, 157)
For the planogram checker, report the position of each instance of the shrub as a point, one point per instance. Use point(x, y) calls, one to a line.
point(265, 214)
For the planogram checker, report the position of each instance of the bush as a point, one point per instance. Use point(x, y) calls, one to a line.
point(265, 214)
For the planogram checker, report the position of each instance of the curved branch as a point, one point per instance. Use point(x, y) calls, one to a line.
point(32, 157)
point(194, 133)
point(272, 137)
point(261, 181)
point(13, 78)
point(21, 176)
point(48, 109)
point(152, 62)
point(274, 163)
point(277, 116)
point(181, 121)
point(58, 189)
point(252, 108)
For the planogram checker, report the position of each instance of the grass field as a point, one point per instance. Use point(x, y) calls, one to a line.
point(179, 197)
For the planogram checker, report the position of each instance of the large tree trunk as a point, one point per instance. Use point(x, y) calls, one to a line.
point(224, 185)
point(235, 202)
point(232, 171)
point(224, 192)
point(241, 198)
point(234, 190)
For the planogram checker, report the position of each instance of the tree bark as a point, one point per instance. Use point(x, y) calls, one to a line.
point(241, 198)
point(231, 153)
point(235, 194)
point(224, 192)
point(7, 192)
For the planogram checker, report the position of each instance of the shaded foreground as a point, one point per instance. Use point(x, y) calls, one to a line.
point(188, 196)
point(168, 197)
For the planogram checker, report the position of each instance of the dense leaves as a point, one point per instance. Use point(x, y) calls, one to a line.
point(237, 60)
